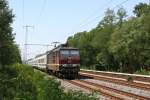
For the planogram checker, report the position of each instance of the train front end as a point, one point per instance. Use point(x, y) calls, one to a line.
point(69, 62)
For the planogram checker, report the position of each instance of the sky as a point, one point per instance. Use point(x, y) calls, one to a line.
point(56, 20)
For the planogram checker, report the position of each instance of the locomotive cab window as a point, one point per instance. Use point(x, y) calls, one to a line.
point(74, 52)
point(64, 53)
point(67, 53)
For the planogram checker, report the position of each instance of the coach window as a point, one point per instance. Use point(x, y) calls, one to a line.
point(42, 60)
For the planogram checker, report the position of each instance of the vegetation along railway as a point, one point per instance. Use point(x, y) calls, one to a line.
point(120, 42)
point(64, 62)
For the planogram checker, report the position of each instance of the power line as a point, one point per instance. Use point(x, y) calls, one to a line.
point(40, 44)
point(97, 11)
point(112, 8)
point(55, 43)
point(41, 12)
point(102, 14)
point(23, 12)
point(43, 7)
point(120, 4)
point(110, 1)
point(47, 45)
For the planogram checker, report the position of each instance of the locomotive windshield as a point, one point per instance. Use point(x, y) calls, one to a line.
point(64, 53)
point(74, 52)
point(67, 53)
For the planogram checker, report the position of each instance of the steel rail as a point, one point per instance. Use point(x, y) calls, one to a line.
point(116, 91)
point(135, 77)
point(117, 81)
point(101, 91)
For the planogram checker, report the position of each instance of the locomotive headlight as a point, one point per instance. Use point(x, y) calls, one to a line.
point(74, 65)
point(64, 65)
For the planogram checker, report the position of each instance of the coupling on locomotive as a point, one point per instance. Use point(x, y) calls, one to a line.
point(63, 61)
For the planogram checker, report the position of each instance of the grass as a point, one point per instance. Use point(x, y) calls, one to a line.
point(143, 72)
point(88, 68)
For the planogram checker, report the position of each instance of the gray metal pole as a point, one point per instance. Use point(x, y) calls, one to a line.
point(26, 41)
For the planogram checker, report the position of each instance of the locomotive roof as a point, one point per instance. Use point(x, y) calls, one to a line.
point(61, 47)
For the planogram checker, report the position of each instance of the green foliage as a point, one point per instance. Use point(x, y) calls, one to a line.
point(16, 83)
point(143, 72)
point(21, 82)
point(130, 44)
point(117, 43)
point(9, 52)
point(83, 42)
point(141, 9)
point(130, 79)
point(121, 15)
point(79, 95)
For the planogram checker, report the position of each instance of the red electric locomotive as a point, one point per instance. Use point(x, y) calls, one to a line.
point(63, 61)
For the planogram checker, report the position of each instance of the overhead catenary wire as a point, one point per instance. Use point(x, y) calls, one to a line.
point(41, 45)
point(95, 12)
point(23, 12)
point(81, 24)
point(88, 18)
point(45, 45)
point(88, 22)
point(103, 14)
point(27, 26)
point(43, 7)
point(41, 12)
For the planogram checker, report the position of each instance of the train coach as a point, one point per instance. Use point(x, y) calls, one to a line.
point(62, 61)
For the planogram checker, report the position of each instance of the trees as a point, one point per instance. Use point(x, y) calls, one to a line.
point(94, 43)
point(129, 44)
point(9, 52)
point(109, 19)
point(83, 41)
point(141, 9)
point(121, 13)
point(117, 43)
point(104, 30)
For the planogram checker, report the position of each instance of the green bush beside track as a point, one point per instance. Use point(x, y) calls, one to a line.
point(21, 82)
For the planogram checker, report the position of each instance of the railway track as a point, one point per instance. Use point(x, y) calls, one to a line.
point(135, 77)
point(107, 91)
point(93, 88)
point(118, 81)
point(110, 92)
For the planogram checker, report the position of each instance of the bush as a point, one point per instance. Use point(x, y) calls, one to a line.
point(78, 95)
point(16, 83)
point(143, 72)
point(21, 82)
point(130, 79)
